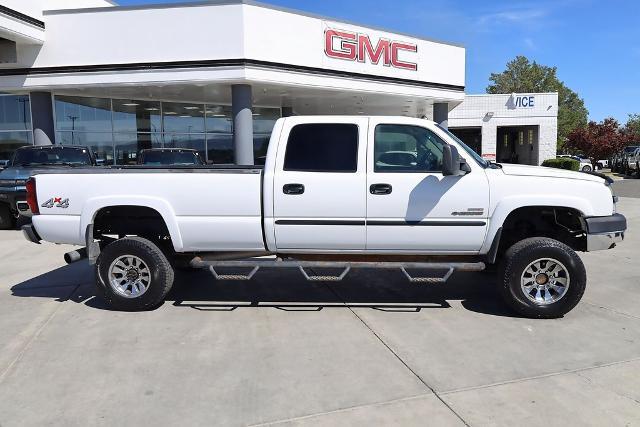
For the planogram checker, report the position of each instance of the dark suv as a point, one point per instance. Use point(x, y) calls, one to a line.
point(28, 161)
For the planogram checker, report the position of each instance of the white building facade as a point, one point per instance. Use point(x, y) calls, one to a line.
point(212, 75)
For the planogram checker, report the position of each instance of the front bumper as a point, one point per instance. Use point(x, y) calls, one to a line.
point(16, 200)
point(604, 232)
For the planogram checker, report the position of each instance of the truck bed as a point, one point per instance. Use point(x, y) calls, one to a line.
point(206, 208)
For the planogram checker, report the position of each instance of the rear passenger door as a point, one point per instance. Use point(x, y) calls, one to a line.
point(319, 185)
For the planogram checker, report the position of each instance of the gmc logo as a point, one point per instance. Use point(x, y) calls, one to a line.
point(358, 47)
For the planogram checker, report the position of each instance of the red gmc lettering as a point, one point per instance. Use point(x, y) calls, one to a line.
point(358, 47)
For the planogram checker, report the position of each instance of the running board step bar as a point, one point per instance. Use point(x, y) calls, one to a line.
point(445, 269)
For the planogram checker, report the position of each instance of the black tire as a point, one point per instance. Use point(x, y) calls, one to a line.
point(518, 258)
point(7, 220)
point(160, 269)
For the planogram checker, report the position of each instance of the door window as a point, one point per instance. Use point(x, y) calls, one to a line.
point(322, 147)
point(405, 148)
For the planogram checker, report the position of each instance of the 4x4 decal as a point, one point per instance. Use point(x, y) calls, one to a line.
point(57, 202)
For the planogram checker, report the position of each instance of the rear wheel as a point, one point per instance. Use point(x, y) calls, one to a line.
point(7, 220)
point(542, 278)
point(586, 168)
point(133, 274)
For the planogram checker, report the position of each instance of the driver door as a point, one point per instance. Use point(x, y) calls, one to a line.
point(411, 206)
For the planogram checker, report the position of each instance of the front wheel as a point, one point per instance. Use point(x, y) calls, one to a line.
point(133, 274)
point(586, 168)
point(542, 278)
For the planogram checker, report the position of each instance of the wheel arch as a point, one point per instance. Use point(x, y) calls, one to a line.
point(507, 208)
point(95, 207)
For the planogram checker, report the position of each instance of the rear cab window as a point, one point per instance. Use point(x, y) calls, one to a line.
point(322, 147)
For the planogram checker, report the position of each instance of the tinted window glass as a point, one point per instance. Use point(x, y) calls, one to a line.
point(404, 148)
point(322, 148)
point(14, 112)
point(52, 156)
point(159, 158)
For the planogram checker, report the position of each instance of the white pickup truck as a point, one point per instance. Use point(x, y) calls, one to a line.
point(340, 192)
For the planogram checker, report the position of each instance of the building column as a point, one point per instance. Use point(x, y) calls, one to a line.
point(286, 111)
point(42, 118)
point(441, 114)
point(241, 107)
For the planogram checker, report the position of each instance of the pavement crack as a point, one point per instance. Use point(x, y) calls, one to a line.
point(35, 336)
point(537, 377)
point(397, 356)
point(597, 384)
point(335, 411)
point(621, 313)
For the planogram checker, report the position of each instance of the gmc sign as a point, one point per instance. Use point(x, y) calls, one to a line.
point(358, 47)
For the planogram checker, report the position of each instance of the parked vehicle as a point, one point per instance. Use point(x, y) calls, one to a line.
point(585, 164)
point(628, 159)
point(28, 161)
point(324, 199)
point(170, 157)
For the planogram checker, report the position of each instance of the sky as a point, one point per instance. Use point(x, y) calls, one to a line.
point(594, 44)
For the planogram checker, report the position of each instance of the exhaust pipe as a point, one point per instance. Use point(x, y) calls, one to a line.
point(74, 256)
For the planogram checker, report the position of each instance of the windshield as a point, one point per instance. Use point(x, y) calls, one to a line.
point(52, 156)
point(482, 162)
point(630, 149)
point(162, 158)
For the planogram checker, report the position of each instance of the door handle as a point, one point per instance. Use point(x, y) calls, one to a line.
point(380, 189)
point(293, 189)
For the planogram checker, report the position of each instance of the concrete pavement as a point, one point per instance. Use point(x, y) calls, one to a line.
point(278, 350)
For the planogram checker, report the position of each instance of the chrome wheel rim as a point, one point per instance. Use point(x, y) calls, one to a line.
point(129, 276)
point(545, 281)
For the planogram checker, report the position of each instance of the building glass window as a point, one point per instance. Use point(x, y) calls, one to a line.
point(193, 141)
point(218, 119)
point(15, 124)
point(10, 141)
point(182, 118)
point(15, 113)
point(136, 116)
point(130, 125)
point(128, 145)
point(76, 113)
point(100, 143)
point(220, 148)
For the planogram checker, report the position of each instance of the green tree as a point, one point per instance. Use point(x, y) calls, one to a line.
point(633, 126)
point(522, 76)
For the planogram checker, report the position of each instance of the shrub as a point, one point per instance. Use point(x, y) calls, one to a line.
point(562, 163)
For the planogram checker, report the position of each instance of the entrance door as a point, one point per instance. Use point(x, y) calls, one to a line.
point(319, 185)
point(411, 206)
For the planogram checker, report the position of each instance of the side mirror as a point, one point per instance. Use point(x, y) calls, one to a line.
point(452, 164)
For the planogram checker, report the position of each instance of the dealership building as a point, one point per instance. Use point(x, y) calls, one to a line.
point(215, 75)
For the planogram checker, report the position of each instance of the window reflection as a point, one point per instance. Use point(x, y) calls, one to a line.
point(127, 146)
point(10, 141)
point(220, 148)
point(15, 112)
point(76, 113)
point(136, 116)
point(193, 141)
point(100, 143)
point(183, 118)
point(219, 119)
point(119, 128)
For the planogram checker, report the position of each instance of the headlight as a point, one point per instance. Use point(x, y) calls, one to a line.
point(7, 182)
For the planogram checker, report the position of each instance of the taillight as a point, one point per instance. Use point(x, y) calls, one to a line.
point(32, 198)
